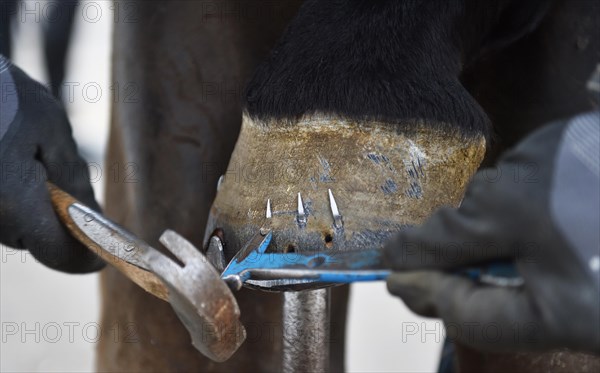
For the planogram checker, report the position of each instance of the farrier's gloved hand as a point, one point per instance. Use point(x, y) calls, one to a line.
point(36, 145)
point(540, 207)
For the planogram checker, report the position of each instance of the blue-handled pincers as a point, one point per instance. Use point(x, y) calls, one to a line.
point(255, 266)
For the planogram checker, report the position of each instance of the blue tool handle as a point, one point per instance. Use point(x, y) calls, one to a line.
point(498, 274)
point(348, 267)
point(497, 269)
point(347, 277)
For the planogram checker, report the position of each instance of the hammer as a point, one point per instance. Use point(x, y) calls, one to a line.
point(201, 299)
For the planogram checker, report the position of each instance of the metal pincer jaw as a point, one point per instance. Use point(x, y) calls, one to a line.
point(328, 184)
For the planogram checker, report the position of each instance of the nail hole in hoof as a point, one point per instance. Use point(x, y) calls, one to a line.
point(328, 240)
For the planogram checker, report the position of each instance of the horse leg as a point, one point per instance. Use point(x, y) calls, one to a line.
point(179, 69)
point(57, 34)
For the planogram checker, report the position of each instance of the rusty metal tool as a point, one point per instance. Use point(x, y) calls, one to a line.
point(202, 301)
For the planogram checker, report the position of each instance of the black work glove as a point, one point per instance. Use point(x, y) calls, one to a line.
point(539, 207)
point(36, 145)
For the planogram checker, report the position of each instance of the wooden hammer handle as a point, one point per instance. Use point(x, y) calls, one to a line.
point(148, 281)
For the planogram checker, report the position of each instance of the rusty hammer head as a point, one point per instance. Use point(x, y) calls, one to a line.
point(201, 299)
point(203, 302)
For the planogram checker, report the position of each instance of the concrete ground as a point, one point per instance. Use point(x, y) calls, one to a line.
point(49, 320)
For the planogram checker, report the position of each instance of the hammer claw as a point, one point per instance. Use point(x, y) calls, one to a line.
point(179, 246)
point(201, 299)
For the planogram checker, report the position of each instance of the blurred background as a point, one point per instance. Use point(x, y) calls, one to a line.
point(49, 320)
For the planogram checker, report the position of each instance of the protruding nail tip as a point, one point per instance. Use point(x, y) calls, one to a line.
point(301, 217)
point(220, 182)
point(337, 217)
point(269, 213)
point(300, 205)
point(332, 204)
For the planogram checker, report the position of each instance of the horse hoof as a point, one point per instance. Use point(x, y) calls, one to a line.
point(326, 184)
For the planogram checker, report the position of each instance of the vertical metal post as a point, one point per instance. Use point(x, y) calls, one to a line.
point(306, 331)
